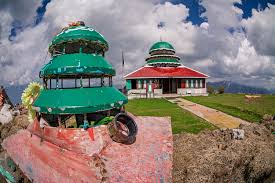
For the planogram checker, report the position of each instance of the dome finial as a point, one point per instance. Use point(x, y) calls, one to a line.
point(77, 23)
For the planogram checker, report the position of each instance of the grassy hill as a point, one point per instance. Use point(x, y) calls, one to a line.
point(236, 105)
point(182, 121)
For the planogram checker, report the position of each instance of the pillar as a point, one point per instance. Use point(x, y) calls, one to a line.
point(128, 84)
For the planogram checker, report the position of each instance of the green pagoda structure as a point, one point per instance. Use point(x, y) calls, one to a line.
point(78, 80)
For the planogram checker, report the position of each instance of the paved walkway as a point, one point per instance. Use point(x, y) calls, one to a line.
point(217, 118)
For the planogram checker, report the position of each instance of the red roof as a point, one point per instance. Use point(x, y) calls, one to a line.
point(164, 72)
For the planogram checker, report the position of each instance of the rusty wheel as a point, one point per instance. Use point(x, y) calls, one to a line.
point(123, 129)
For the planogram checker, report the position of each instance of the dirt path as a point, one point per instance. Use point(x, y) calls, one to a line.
point(217, 118)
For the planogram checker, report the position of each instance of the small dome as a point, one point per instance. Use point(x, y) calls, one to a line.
point(79, 32)
point(161, 45)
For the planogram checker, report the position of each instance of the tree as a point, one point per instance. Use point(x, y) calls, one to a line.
point(221, 90)
point(210, 89)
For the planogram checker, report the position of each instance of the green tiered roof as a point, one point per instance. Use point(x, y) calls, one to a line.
point(79, 100)
point(77, 64)
point(162, 53)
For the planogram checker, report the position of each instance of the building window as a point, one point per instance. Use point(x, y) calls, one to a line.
point(139, 84)
point(156, 84)
point(192, 84)
point(144, 84)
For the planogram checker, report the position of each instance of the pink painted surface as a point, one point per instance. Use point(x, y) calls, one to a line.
point(72, 156)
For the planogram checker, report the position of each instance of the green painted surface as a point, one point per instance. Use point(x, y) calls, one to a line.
point(162, 45)
point(78, 32)
point(78, 101)
point(128, 84)
point(79, 63)
point(7, 175)
point(175, 61)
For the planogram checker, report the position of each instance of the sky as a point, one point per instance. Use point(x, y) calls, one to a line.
point(226, 39)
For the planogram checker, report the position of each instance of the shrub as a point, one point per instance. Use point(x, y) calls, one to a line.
point(210, 89)
point(221, 90)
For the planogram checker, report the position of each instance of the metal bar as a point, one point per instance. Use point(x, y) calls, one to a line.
point(57, 82)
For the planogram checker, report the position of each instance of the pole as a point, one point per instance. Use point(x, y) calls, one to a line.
point(122, 72)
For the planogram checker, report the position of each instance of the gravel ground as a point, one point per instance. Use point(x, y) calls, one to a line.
point(214, 156)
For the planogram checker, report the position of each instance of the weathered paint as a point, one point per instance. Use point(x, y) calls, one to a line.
point(8, 176)
point(79, 33)
point(70, 155)
point(77, 63)
point(79, 101)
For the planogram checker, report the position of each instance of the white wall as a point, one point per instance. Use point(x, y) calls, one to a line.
point(192, 91)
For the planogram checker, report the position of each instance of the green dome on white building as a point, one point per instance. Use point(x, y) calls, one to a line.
point(163, 54)
point(162, 45)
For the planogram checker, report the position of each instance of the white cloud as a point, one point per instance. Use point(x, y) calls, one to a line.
point(261, 30)
point(248, 62)
point(132, 26)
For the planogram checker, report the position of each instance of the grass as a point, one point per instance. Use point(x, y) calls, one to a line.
point(236, 105)
point(182, 121)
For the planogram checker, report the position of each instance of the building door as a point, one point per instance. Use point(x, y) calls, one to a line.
point(173, 85)
point(165, 86)
point(169, 85)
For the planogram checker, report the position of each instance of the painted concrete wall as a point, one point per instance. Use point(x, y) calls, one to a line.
point(192, 91)
point(141, 93)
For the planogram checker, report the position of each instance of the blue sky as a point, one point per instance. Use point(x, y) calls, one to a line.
point(222, 38)
point(195, 11)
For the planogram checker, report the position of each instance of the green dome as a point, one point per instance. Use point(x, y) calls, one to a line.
point(79, 33)
point(161, 45)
